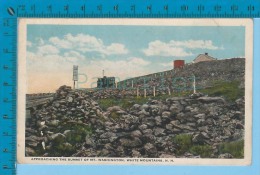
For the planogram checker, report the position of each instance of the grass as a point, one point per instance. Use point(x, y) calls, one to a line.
point(183, 142)
point(204, 151)
point(229, 90)
point(236, 148)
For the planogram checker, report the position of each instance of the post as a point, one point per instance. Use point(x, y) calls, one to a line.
point(144, 93)
point(169, 91)
point(137, 92)
point(132, 83)
point(75, 75)
point(116, 84)
point(194, 84)
point(154, 91)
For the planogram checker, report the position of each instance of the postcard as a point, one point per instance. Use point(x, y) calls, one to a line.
point(135, 91)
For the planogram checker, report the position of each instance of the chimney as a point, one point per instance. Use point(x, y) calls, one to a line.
point(206, 53)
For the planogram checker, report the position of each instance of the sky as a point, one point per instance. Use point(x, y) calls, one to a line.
point(121, 51)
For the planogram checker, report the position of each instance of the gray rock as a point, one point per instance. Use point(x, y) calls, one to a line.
point(130, 142)
point(155, 110)
point(225, 156)
point(163, 155)
point(147, 132)
point(58, 138)
point(143, 127)
point(150, 149)
point(168, 126)
point(145, 107)
point(200, 138)
point(200, 116)
point(158, 120)
point(212, 99)
point(89, 141)
point(29, 151)
point(107, 135)
point(136, 153)
point(53, 123)
point(176, 108)
point(136, 133)
point(70, 99)
point(159, 131)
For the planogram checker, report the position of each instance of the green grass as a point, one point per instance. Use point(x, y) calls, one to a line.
point(183, 142)
point(236, 148)
point(204, 151)
point(229, 90)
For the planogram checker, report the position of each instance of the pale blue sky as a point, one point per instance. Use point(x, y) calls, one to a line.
point(123, 51)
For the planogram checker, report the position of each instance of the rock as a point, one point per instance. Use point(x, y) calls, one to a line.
point(136, 133)
point(200, 138)
point(155, 110)
point(89, 141)
point(70, 99)
point(147, 132)
point(73, 124)
point(145, 107)
point(166, 114)
point(130, 142)
point(143, 127)
point(136, 107)
point(200, 116)
point(239, 125)
point(53, 123)
point(225, 156)
point(114, 108)
point(143, 112)
point(201, 122)
point(211, 99)
point(158, 120)
point(176, 108)
point(169, 126)
point(58, 138)
point(29, 151)
point(159, 131)
point(227, 132)
point(150, 149)
point(136, 153)
point(166, 156)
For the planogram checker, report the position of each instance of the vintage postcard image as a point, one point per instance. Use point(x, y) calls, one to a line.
point(135, 91)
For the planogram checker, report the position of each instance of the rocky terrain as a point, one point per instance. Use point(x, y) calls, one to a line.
point(73, 124)
point(206, 74)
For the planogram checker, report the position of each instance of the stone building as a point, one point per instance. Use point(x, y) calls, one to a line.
point(203, 57)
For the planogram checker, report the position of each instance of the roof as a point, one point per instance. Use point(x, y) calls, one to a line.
point(203, 57)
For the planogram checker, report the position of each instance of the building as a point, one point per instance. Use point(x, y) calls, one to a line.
point(106, 82)
point(177, 64)
point(203, 57)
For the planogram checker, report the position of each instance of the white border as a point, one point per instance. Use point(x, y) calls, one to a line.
point(21, 90)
